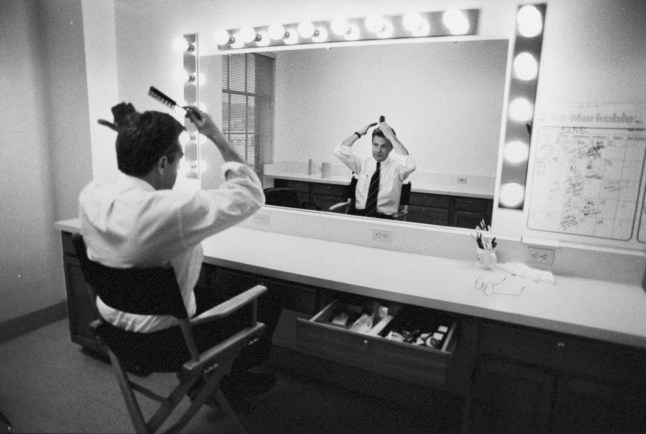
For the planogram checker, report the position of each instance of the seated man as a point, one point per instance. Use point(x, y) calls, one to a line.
point(139, 221)
point(379, 176)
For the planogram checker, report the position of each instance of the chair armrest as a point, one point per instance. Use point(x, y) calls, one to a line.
point(340, 205)
point(228, 307)
point(223, 350)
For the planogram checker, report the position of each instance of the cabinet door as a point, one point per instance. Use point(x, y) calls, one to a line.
point(81, 309)
point(584, 406)
point(509, 398)
point(433, 216)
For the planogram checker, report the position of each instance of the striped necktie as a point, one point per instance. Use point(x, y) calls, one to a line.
point(373, 192)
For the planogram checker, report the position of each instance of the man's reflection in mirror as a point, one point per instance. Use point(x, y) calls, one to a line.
point(380, 175)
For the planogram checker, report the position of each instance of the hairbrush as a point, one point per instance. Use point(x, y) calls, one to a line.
point(164, 99)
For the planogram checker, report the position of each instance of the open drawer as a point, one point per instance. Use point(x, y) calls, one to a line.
point(380, 350)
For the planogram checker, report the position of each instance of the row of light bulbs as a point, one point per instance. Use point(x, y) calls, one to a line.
point(529, 24)
point(411, 24)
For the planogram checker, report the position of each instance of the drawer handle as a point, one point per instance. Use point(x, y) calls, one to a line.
point(365, 341)
point(560, 344)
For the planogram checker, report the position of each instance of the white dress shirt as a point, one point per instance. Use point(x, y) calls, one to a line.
point(127, 223)
point(393, 172)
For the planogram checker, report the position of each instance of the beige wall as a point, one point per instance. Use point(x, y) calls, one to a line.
point(44, 146)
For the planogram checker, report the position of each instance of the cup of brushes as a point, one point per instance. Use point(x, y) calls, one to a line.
point(486, 251)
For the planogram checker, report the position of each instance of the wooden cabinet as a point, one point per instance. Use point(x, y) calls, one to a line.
point(436, 209)
point(321, 194)
point(81, 309)
point(552, 383)
point(509, 398)
point(516, 379)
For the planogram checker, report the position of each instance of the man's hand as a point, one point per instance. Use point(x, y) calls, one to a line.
point(203, 123)
point(207, 127)
point(388, 132)
point(363, 131)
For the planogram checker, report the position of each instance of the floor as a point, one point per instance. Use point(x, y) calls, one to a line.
point(48, 384)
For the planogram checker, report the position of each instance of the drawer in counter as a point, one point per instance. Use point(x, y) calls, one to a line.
point(564, 352)
point(419, 364)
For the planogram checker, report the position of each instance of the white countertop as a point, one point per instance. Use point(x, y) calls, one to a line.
point(595, 309)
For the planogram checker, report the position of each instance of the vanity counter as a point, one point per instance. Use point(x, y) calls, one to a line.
point(595, 309)
point(422, 182)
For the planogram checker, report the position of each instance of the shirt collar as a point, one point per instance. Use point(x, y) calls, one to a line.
point(126, 182)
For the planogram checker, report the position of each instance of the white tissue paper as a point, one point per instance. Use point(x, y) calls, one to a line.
point(523, 270)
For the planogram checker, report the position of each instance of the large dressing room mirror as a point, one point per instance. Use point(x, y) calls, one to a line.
point(286, 110)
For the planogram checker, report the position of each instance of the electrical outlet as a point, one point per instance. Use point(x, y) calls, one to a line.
point(261, 218)
point(382, 235)
point(461, 179)
point(540, 256)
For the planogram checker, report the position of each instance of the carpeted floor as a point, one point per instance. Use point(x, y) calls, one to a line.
point(47, 384)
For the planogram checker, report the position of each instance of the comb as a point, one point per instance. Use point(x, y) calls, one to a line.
point(164, 99)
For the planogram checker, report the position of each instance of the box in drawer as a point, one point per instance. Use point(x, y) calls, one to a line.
point(404, 361)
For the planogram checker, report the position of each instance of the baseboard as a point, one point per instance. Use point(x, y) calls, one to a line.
point(34, 320)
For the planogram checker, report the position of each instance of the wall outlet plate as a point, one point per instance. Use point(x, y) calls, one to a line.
point(382, 235)
point(540, 256)
point(261, 218)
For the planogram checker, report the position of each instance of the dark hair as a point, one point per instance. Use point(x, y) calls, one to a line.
point(143, 139)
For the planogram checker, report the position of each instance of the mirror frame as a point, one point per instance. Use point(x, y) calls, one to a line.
point(509, 173)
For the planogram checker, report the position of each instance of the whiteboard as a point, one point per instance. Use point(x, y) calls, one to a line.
point(587, 173)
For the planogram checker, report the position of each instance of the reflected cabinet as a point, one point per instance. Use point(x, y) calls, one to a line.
point(435, 209)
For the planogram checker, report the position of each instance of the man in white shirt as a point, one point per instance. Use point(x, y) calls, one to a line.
point(383, 199)
point(139, 221)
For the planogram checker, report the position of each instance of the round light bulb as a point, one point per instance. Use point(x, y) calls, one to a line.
point(291, 37)
point(184, 137)
point(525, 66)
point(201, 77)
point(221, 37)
point(375, 23)
point(306, 29)
point(516, 152)
point(456, 21)
point(236, 41)
point(180, 44)
point(276, 32)
point(354, 33)
point(340, 26)
point(320, 35)
point(263, 39)
point(521, 110)
point(530, 21)
point(387, 31)
point(413, 21)
point(247, 34)
point(512, 195)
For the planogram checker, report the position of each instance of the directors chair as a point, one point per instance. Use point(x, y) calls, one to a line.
point(348, 207)
point(154, 291)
